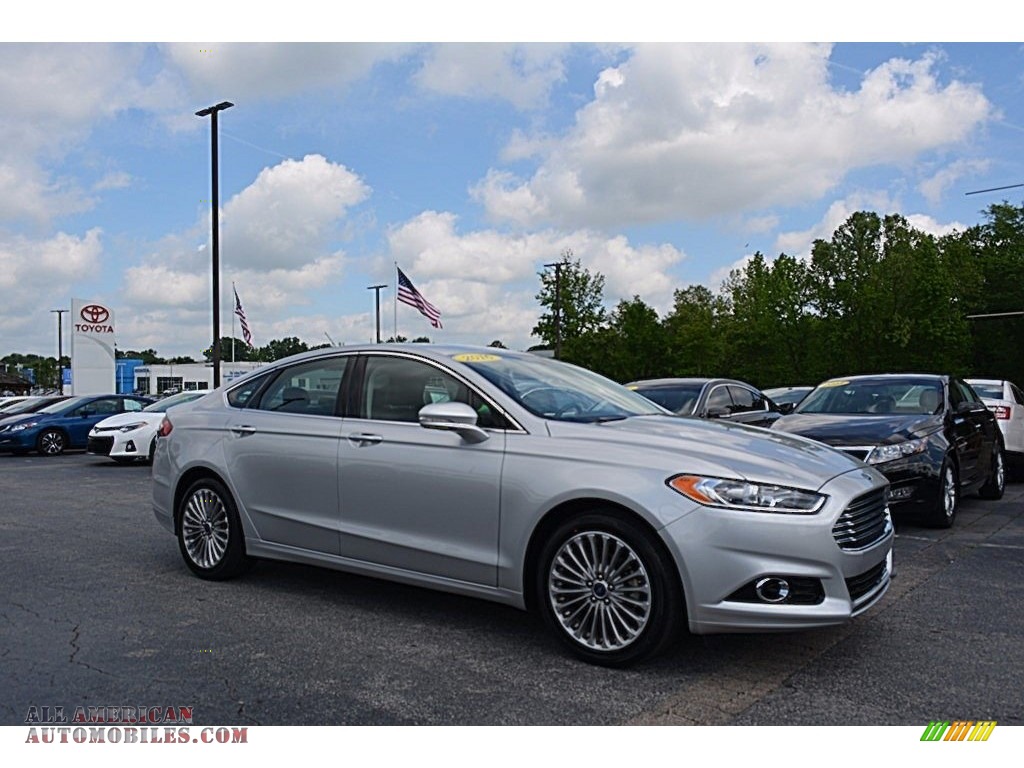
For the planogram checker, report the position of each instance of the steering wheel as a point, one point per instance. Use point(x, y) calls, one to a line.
point(524, 398)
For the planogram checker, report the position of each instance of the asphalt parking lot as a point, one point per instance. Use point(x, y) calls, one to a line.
point(98, 609)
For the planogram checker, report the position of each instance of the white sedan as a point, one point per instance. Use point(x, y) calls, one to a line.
point(1006, 401)
point(128, 437)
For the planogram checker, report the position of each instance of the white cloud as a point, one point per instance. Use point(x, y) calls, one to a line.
point(286, 217)
point(934, 187)
point(113, 180)
point(485, 282)
point(262, 71)
point(39, 275)
point(704, 130)
point(520, 74)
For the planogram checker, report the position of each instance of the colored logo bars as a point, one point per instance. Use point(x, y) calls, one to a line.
point(960, 730)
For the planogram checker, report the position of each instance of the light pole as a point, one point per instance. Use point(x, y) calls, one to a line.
point(215, 208)
point(60, 347)
point(377, 289)
point(558, 307)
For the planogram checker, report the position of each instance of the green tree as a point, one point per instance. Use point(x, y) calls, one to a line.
point(633, 345)
point(579, 300)
point(279, 348)
point(695, 332)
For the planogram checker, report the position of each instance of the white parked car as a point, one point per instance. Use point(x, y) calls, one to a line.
point(130, 436)
point(7, 402)
point(1006, 400)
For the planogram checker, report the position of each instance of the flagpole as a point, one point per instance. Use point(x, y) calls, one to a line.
point(235, 291)
point(395, 337)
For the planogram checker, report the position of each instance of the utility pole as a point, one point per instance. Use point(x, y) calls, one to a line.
point(377, 288)
point(558, 307)
point(215, 209)
point(60, 347)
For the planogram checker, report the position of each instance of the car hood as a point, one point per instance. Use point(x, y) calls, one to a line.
point(858, 429)
point(132, 417)
point(24, 418)
point(686, 444)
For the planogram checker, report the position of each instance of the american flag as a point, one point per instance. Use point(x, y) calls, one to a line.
point(246, 333)
point(407, 294)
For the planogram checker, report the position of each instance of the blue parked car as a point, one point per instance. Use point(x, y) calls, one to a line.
point(64, 424)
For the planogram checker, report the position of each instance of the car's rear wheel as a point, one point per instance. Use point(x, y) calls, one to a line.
point(996, 483)
point(51, 442)
point(949, 496)
point(209, 532)
point(608, 590)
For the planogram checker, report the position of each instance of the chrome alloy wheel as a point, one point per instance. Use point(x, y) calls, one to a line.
point(949, 492)
point(205, 528)
point(51, 443)
point(600, 591)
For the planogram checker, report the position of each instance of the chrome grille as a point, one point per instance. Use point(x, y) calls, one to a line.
point(864, 522)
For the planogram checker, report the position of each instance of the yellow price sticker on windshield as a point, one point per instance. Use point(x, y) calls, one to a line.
point(475, 357)
point(836, 383)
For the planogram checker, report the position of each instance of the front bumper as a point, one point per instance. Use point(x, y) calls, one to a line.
point(723, 552)
point(22, 440)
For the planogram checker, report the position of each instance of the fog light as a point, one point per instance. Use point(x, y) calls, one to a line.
point(895, 494)
point(130, 448)
point(772, 589)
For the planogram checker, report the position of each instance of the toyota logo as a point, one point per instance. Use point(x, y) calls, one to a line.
point(94, 313)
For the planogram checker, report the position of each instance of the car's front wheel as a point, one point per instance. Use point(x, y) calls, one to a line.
point(209, 532)
point(996, 483)
point(51, 442)
point(949, 496)
point(608, 590)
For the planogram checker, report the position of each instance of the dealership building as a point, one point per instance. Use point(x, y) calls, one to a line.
point(185, 377)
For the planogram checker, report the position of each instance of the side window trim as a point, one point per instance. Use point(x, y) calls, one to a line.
point(357, 393)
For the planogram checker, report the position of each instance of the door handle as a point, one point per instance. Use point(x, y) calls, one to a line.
point(243, 429)
point(362, 439)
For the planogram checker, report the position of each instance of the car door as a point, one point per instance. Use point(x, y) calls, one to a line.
point(750, 407)
point(1015, 425)
point(986, 425)
point(412, 498)
point(86, 416)
point(968, 432)
point(281, 451)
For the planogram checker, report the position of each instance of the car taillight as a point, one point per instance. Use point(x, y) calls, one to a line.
point(165, 427)
point(1001, 411)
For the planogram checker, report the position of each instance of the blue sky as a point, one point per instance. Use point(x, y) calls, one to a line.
point(471, 165)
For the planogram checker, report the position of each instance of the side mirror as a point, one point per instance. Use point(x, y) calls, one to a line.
point(85, 413)
point(786, 408)
point(964, 407)
point(452, 417)
point(716, 412)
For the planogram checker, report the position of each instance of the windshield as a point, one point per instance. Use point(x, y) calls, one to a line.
point(19, 406)
point(991, 391)
point(556, 390)
point(169, 402)
point(61, 405)
point(908, 396)
point(679, 398)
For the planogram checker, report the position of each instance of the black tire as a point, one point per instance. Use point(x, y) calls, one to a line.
point(152, 450)
point(210, 534)
point(641, 595)
point(51, 442)
point(948, 503)
point(996, 483)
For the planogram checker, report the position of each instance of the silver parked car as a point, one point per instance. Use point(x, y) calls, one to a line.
point(527, 481)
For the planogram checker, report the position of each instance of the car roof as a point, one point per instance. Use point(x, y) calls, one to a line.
point(676, 381)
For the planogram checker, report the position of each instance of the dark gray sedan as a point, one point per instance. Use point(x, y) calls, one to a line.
point(724, 399)
point(527, 481)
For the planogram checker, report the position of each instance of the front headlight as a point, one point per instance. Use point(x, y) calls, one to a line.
point(131, 427)
point(883, 453)
point(26, 425)
point(742, 495)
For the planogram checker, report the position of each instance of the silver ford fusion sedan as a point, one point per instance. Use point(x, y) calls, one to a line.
point(531, 482)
